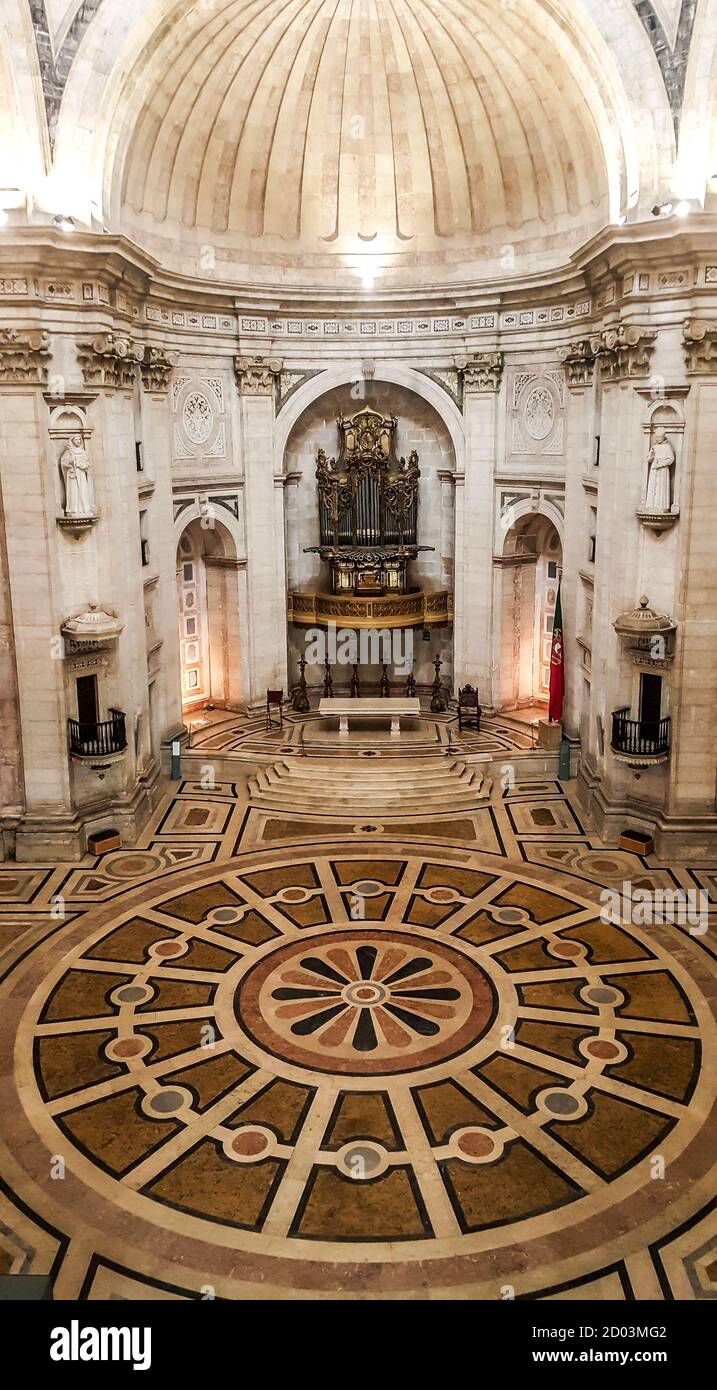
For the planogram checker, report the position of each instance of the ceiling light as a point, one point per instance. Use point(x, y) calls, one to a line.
point(682, 209)
point(63, 222)
point(662, 210)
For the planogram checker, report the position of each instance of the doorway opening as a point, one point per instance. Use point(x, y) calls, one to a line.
point(529, 570)
point(208, 602)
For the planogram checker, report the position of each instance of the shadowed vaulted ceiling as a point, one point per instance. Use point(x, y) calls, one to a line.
point(302, 133)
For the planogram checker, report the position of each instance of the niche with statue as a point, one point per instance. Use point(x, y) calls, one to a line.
point(71, 436)
point(664, 431)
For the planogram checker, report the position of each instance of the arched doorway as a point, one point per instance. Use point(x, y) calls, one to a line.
point(530, 569)
point(208, 601)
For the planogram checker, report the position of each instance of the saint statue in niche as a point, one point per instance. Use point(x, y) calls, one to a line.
point(660, 461)
point(75, 469)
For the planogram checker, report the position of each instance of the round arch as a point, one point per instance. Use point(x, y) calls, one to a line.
point(527, 507)
point(387, 372)
point(220, 527)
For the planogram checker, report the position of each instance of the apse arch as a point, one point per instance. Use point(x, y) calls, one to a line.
point(386, 373)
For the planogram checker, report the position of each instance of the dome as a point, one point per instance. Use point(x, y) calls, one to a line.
point(308, 140)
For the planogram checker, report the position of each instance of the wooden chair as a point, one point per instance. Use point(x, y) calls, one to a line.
point(469, 710)
point(274, 700)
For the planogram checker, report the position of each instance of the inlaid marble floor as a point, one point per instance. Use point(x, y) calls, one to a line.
point(378, 1063)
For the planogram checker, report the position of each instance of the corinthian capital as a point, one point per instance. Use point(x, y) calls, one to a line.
point(578, 358)
point(256, 376)
point(24, 355)
point(482, 372)
point(624, 351)
point(157, 367)
point(700, 340)
point(110, 359)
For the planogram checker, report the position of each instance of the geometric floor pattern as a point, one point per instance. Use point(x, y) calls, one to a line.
point(369, 1066)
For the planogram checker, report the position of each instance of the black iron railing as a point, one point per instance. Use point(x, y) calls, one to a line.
point(99, 740)
point(643, 738)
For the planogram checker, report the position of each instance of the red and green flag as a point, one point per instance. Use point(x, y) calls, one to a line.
point(557, 666)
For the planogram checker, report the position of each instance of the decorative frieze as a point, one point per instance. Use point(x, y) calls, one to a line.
point(578, 359)
point(625, 351)
point(417, 326)
point(700, 340)
point(157, 367)
point(482, 372)
point(110, 359)
point(257, 376)
point(24, 356)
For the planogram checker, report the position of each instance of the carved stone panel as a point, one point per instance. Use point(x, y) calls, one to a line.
point(201, 424)
point(536, 402)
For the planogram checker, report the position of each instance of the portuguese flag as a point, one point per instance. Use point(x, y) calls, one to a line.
point(557, 666)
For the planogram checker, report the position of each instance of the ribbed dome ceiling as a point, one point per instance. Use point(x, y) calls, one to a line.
point(293, 130)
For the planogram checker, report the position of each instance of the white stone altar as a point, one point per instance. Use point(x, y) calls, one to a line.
point(393, 710)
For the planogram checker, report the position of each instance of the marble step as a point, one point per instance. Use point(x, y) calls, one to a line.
point(360, 809)
point(459, 790)
point(337, 778)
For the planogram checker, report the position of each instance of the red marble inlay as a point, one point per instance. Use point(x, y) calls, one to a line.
point(476, 1145)
point(128, 1047)
point(605, 1051)
point(250, 1143)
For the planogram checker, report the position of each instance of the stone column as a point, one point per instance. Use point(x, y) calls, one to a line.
point(579, 362)
point(693, 766)
point(115, 576)
point(30, 505)
point(624, 357)
point(163, 632)
point(264, 506)
point(482, 377)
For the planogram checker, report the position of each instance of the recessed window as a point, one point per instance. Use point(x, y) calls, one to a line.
point(592, 540)
point(188, 571)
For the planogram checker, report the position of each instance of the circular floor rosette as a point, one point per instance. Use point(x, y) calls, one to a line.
point(326, 1060)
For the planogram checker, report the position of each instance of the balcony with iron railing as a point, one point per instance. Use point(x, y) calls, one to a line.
point(105, 739)
point(640, 742)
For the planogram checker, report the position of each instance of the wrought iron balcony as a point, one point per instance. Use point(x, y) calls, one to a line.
point(101, 740)
point(640, 742)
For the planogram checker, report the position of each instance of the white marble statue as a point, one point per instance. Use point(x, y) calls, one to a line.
point(661, 461)
point(75, 469)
